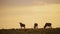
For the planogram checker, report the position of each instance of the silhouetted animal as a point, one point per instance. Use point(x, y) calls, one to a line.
point(35, 25)
point(48, 24)
point(22, 25)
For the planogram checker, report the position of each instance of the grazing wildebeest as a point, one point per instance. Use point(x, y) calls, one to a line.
point(48, 24)
point(35, 25)
point(22, 25)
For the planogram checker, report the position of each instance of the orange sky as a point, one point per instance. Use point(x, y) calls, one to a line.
point(29, 11)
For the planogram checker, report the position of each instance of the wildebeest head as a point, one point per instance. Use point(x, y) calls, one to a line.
point(20, 23)
point(35, 24)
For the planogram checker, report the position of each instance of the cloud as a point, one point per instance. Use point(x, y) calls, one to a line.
point(28, 2)
point(16, 2)
point(52, 1)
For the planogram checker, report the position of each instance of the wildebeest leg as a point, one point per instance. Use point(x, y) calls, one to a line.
point(20, 27)
point(34, 27)
point(37, 27)
point(44, 27)
point(50, 26)
point(24, 27)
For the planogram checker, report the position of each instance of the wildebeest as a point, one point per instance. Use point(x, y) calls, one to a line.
point(48, 24)
point(22, 25)
point(35, 25)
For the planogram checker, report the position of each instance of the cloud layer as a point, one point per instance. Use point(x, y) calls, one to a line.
point(28, 2)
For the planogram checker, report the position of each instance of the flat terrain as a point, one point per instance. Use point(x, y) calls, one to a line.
point(30, 31)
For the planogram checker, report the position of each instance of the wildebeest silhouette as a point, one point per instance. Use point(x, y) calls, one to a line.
point(22, 25)
point(48, 24)
point(35, 25)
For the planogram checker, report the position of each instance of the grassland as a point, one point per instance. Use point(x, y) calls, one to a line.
point(30, 31)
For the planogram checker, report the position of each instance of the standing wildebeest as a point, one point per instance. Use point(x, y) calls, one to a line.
point(48, 24)
point(35, 25)
point(22, 25)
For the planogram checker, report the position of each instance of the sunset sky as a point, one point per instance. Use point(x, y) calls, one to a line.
point(29, 12)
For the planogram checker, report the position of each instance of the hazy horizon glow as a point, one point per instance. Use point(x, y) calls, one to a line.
point(28, 12)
